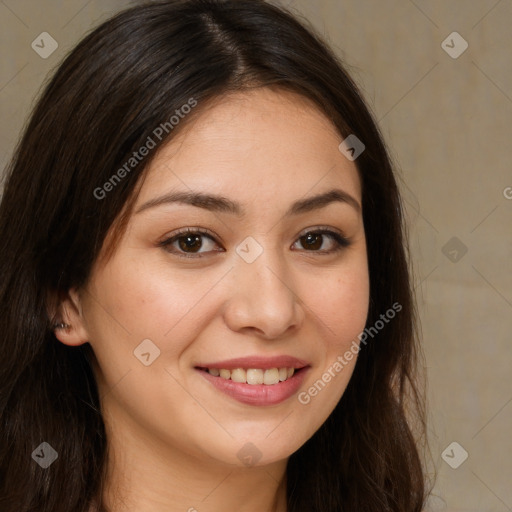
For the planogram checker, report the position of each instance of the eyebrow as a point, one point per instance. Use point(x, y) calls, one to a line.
point(218, 203)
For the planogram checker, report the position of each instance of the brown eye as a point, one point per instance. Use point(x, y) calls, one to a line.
point(192, 242)
point(313, 241)
point(189, 243)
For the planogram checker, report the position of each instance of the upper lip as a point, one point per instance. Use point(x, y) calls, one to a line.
point(258, 362)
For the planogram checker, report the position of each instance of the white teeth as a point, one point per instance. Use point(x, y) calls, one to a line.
point(254, 376)
point(238, 375)
point(271, 376)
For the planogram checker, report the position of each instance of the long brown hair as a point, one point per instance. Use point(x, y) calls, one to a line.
point(123, 80)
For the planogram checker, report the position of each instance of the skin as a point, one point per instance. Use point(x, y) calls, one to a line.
point(173, 437)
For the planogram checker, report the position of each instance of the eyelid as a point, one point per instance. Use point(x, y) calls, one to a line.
point(321, 228)
point(191, 230)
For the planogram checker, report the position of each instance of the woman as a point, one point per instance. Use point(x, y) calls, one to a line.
point(205, 293)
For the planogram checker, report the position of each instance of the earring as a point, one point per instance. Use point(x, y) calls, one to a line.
point(61, 325)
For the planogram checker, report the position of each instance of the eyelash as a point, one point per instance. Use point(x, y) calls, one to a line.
point(341, 241)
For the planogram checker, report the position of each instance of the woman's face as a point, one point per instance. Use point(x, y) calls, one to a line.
point(259, 291)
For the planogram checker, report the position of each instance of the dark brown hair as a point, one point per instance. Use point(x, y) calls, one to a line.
point(123, 80)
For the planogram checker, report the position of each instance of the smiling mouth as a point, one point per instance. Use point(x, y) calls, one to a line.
point(253, 376)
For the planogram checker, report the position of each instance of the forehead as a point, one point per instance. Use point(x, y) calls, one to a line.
point(254, 142)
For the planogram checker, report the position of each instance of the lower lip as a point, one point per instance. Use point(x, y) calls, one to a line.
point(258, 394)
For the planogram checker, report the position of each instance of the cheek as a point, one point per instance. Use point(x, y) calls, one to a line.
point(342, 304)
point(152, 299)
point(342, 308)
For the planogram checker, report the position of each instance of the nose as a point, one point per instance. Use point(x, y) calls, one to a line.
point(262, 297)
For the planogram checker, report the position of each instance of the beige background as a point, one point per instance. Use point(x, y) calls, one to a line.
point(448, 123)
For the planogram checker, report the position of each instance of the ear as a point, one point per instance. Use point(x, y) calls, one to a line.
point(69, 312)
